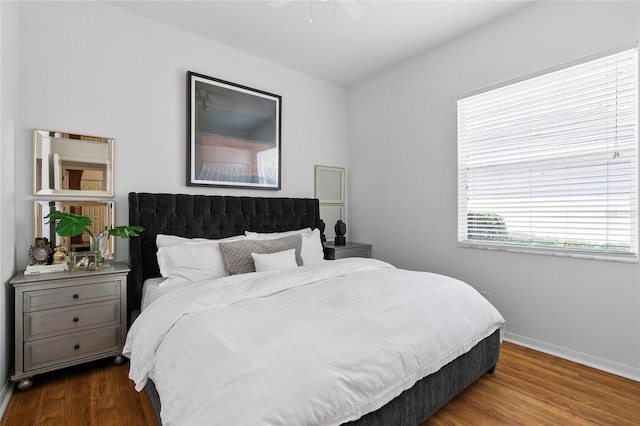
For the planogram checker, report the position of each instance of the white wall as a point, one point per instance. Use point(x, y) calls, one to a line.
point(584, 310)
point(8, 120)
point(90, 68)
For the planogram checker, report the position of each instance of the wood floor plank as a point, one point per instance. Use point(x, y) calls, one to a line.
point(528, 388)
point(575, 390)
point(94, 394)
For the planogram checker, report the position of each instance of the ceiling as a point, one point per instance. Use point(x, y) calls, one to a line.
point(334, 47)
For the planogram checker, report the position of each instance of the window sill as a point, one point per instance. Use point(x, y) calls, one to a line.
point(614, 257)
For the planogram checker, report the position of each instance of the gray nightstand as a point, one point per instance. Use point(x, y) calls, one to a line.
point(333, 252)
point(68, 318)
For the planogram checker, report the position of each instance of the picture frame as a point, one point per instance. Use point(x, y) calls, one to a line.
point(84, 261)
point(234, 135)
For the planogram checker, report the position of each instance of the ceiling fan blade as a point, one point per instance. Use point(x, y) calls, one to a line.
point(278, 3)
point(353, 8)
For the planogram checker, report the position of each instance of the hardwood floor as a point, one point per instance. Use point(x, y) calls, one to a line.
point(528, 388)
point(532, 388)
point(98, 393)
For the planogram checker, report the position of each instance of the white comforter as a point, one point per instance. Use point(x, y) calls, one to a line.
point(309, 346)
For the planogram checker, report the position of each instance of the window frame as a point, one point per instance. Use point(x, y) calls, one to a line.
point(463, 221)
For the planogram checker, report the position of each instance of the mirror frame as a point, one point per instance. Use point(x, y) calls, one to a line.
point(41, 208)
point(329, 189)
point(42, 142)
point(329, 180)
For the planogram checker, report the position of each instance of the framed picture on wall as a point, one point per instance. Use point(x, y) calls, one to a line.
point(234, 135)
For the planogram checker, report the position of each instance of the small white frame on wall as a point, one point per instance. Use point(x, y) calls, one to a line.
point(329, 184)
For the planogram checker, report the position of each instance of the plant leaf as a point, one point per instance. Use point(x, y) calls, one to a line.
point(68, 224)
point(126, 232)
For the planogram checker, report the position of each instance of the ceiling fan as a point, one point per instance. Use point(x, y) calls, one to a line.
point(202, 96)
point(353, 7)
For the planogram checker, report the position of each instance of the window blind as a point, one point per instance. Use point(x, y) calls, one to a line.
point(550, 163)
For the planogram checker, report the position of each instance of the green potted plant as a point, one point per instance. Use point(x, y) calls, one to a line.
point(70, 225)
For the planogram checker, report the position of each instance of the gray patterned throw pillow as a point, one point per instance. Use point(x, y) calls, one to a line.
point(237, 254)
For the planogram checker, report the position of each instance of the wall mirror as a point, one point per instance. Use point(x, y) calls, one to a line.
point(329, 184)
point(330, 214)
point(100, 212)
point(330, 191)
point(72, 165)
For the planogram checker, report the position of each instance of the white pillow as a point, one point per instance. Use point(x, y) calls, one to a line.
point(275, 261)
point(272, 235)
point(193, 261)
point(173, 240)
point(312, 252)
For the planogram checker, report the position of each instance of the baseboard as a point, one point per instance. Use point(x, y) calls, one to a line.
point(612, 367)
point(5, 396)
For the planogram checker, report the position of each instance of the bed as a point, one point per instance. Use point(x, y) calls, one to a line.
point(219, 217)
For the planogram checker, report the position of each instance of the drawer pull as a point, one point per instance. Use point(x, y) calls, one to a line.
point(76, 319)
point(76, 346)
point(75, 296)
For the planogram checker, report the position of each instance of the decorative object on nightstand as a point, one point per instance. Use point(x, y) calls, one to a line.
point(84, 261)
point(40, 252)
point(323, 237)
point(60, 255)
point(45, 269)
point(333, 251)
point(341, 230)
point(42, 259)
point(64, 319)
point(70, 225)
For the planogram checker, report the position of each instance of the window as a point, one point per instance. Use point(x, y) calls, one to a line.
point(550, 164)
point(268, 166)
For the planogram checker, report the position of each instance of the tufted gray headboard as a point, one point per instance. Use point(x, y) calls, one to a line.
point(205, 216)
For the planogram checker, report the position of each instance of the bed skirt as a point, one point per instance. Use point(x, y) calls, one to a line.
point(427, 396)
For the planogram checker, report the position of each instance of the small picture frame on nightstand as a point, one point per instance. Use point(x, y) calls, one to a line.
point(84, 261)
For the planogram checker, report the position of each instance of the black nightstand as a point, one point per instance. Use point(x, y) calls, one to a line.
point(333, 252)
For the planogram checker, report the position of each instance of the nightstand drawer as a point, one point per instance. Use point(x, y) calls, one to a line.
point(66, 296)
point(55, 350)
point(48, 323)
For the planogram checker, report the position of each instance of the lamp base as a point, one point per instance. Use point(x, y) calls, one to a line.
point(340, 240)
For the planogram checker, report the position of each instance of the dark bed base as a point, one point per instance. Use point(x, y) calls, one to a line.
point(428, 395)
point(223, 216)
